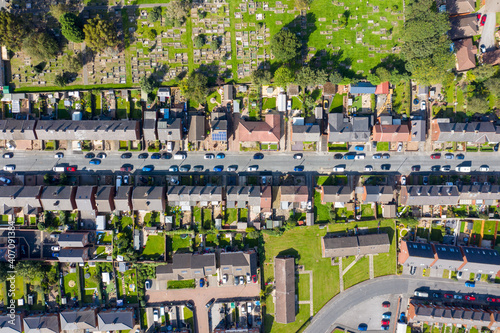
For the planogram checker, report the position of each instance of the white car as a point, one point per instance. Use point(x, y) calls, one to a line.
point(368, 168)
point(297, 156)
point(338, 169)
point(55, 248)
point(400, 147)
point(484, 168)
point(59, 155)
point(242, 280)
point(249, 278)
point(359, 157)
point(231, 168)
point(249, 307)
point(422, 106)
point(224, 279)
point(289, 105)
point(10, 167)
point(155, 315)
point(403, 180)
point(209, 156)
point(126, 179)
point(253, 168)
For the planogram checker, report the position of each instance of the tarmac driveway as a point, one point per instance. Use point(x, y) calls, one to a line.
point(201, 298)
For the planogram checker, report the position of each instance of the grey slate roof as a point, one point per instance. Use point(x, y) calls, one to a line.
point(73, 239)
point(241, 195)
point(73, 254)
point(474, 132)
point(336, 194)
point(417, 130)
point(479, 192)
point(84, 198)
point(339, 246)
point(78, 319)
point(104, 199)
point(116, 320)
point(363, 88)
point(305, 133)
point(429, 195)
point(58, 198)
point(188, 266)
point(87, 130)
point(149, 129)
point(13, 129)
point(7, 327)
point(123, 198)
point(25, 197)
point(378, 193)
point(197, 130)
point(284, 275)
point(170, 129)
point(47, 323)
point(191, 195)
point(150, 198)
point(354, 129)
point(238, 263)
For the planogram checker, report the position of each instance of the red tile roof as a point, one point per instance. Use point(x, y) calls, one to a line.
point(465, 54)
point(391, 133)
point(268, 130)
point(382, 88)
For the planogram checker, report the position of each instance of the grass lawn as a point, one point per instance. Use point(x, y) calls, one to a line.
point(182, 284)
point(20, 287)
point(243, 214)
point(179, 243)
point(197, 214)
point(304, 242)
point(71, 291)
point(382, 146)
point(126, 221)
point(231, 215)
point(357, 273)
point(366, 210)
point(207, 218)
point(489, 230)
point(321, 212)
point(188, 317)
point(300, 319)
point(296, 103)
point(476, 229)
point(303, 287)
point(269, 103)
point(337, 104)
point(155, 247)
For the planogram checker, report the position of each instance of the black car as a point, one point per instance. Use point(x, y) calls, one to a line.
point(436, 168)
point(143, 156)
point(8, 155)
point(386, 167)
point(338, 156)
point(386, 156)
point(89, 155)
point(126, 155)
point(156, 156)
point(166, 156)
point(198, 168)
point(189, 305)
point(209, 304)
point(258, 156)
point(436, 295)
point(415, 168)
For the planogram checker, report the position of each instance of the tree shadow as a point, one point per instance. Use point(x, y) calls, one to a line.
point(211, 71)
point(291, 252)
point(302, 26)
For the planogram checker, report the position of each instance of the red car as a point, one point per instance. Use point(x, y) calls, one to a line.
point(483, 20)
point(478, 16)
point(254, 278)
point(470, 298)
point(71, 169)
point(126, 168)
point(385, 322)
point(493, 300)
point(448, 296)
point(386, 304)
point(435, 156)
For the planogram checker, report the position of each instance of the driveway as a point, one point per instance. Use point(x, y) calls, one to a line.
point(201, 298)
point(387, 287)
point(488, 34)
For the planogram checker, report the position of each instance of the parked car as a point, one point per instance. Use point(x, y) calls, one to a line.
point(242, 280)
point(209, 156)
point(484, 168)
point(386, 156)
point(218, 168)
point(459, 275)
point(253, 168)
point(5, 180)
point(400, 147)
point(368, 168)
point(377, 156)
point(236, 280)
point(436, 168)
point(402, 318)
point(449, 296)
point(220, 156)
point(184, 168)
point(425, 180)
point(338, 156)
point(478, 275)
point(298, 168)
point(55, 248)
point(413, 269)
point(95, 161)
point(166, 156)
point(126, 168)
point(457, 296)
point(470, 284)
point(232, 168)
point(297, 156)
point(198, 168)
point(156, 316)
point(55, 254)
point(102, 155)
point(147, 168)
point(126, 155)
point(470, 297)
point(202, 282)
point(436, 156)
point(446, 168)
point(483, 48)
point(254, 278)
point(359, 157)
point(224, 278)
point(386, 304)
point(258, 156)
point(385, 322)
point(385, 167)
point(89, 155)
point(173, 168)
point(59, 155)
point(359, 148)
point(325, 104)
point(147, 284)
point(349, 156)
point(71, 169)
point(209, 304)
point(384, 327)
point(436, 295)
point(483, 20)
point(155, 156)
point(362, 327)
point(386, 315)
point(249, 307)
point(143, 156)
point(423, 106)
point(403, 180)
point(449, 156)
point(415, 168)
point(460, 156)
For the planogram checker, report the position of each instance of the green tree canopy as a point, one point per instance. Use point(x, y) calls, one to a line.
point(148, 84)
point(40, 45)
point(31, 270)
point(58, 10)
point(215, 44)
point(285, 46)
point(176, 12)
point(305, 77)
point(483, 73)
point(60, 80)
point(283, 76)
point(71, 27)
point(72, 64)
point(320, 77)
point(493, 85)
point(155, 14)
point(199, 41)
point(100, 34)
point(12, 30)
point(194, 87)
point(478, 104)
point(426, 46)
point(336, 78)
point(149, 34)
point(261, 76)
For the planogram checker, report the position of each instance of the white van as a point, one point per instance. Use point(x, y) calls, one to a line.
point(10, 167)
point(462, 169)
point(338, 169)
point(58, 169)
point(179, 156)
point(170, 146)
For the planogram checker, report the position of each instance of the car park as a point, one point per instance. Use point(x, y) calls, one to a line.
point(359, 157)
point(258, 156)
point(435, 156)
point(8, 155)
point(126, 156)
point(173, 168)
point(89, 155)
point(460, 156)
point(338, 156)
point(166, 156)
point(59, 155)
point(155, 156)
point(377, 156)
point(484, 168)
point(95, 161)
point(298, 168)
point(143, 156)
point(297, 156)
point(209, 156)
point(102, 156)
point(359, 148)
point(449, 156)
point(147, 168)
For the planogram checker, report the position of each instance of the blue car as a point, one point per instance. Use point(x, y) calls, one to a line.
point(95, 162)
point(202, 282)
point(470, 284)
point(384, 327)
point(402, 318)
point(147, 168)
point(298, 168)
point(220, 156)
point(359, 148)
point(218, 169)
point(386, 315)
point(362, 327)
point(156, 156)
point(460, 156)
point(55, 255)
point(258, 156)
point(349, 156)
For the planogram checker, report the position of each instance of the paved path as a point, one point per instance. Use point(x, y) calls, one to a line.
point(370, 258)
point(351, 264)
point(341, 275)
point(85, 71)
point(201, 298)
point(326, 318)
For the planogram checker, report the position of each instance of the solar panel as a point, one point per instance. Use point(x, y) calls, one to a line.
point(219, 136)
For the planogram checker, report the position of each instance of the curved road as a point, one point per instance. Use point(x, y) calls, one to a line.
point(326, 318)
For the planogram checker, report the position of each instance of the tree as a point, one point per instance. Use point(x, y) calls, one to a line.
point(285, 46)
point(71, 28)
point(305, 77)
point(302, 4)
point(194, 87)
point(478, 104)
point(483, 73)
point(58, 10)
point(373, 78)
point(308, 102)
point(176, 12)
point(72, 64)
point(155, 14)
point(201, 13)
point(215, 44)
point(283, 76)
point(336, 78)
point(12, 30)
point(100, 34)
point(199, 41)
point(383, 74)
point(147, 84)
point(493, 85)
point(60, 80)
point(425, 42)
point(320, 77)
point(30, 270)
point(261, 76)
point(149, 34)
point(40, 46)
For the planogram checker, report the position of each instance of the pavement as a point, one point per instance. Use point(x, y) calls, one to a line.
point(200, 299)
point(488, 34)
point(382, 288)
point(43, 161)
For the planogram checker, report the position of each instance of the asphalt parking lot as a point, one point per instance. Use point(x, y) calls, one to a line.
point(370, 313)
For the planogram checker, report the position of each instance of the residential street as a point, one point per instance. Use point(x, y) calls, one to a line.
point(26, 161)
point(325, 319)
